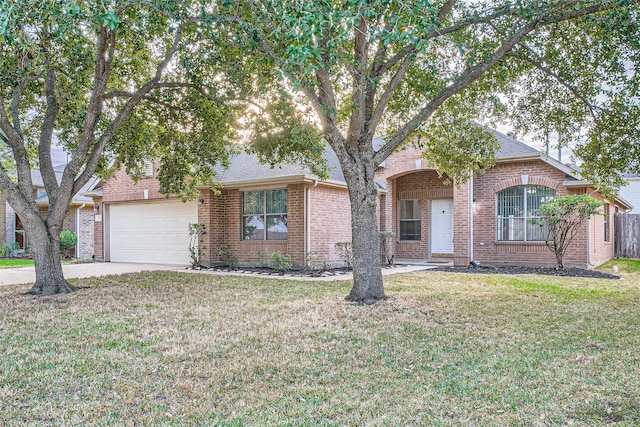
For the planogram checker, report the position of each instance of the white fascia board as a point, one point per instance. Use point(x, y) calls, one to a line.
point(268, 182)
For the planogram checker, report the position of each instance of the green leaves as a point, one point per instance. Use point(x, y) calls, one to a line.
point(561, 219)
point(109, 19)
point(455, 144)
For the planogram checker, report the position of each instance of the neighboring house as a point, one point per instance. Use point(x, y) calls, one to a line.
point(631, 191)
point(260, 211)
point(79, 218)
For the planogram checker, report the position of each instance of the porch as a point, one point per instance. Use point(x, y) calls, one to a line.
point(429, 216)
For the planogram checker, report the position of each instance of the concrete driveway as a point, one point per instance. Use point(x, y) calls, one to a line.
point(18, 276)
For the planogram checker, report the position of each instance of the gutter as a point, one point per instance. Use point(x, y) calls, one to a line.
point(266, 182)
point(470, 219)
point(550, 161)
point(585, 184)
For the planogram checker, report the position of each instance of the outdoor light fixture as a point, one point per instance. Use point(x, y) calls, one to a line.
point(96, 208)
point(200, 201)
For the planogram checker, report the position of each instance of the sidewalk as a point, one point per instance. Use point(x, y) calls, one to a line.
point(398, 269)
point(27, 275)
point(18, 276)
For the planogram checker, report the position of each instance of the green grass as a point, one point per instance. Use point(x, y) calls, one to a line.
point(169, 348)
point(13, 263)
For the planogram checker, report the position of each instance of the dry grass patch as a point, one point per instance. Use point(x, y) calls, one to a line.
point(167, 348)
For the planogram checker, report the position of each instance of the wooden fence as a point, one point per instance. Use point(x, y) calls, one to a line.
point(627, 235)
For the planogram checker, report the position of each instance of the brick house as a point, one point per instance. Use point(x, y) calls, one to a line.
point(260, 210)
point(79, 218)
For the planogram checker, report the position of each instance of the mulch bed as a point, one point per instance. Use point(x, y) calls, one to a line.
point(546, 271)
point(267, 271)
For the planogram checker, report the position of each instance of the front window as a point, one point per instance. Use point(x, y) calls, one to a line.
point(516, 206)
point(264, 215)
point(410, 223)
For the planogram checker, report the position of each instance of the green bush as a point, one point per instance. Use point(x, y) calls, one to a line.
point(5, 250)
point(345, 252)
point(68, 241)
point(280, 261)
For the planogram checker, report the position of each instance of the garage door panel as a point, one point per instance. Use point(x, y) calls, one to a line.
point(155, 232)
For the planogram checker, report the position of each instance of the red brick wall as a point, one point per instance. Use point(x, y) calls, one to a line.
point(223, 216)
point(486, 248)
point(330, 221)
point(601, 250)
point(85, 233)
point(120, 187)
point(98, 231)
point(462, 224)
point(404, 172)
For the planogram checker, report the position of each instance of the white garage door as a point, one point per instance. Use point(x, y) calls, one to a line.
point(154, 232)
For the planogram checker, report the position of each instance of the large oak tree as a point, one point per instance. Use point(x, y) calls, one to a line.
point(433, 71)
point(114, 82)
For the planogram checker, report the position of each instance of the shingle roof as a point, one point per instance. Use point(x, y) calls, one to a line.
point(245, 167)
point(36, 179)
point(511, 147)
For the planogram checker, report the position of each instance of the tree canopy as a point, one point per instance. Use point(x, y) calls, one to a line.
point(114, 83)
point(436, 73)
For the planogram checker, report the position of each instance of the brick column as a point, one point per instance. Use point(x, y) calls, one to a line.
point(98, 231)
point(461, 224)
point(296, 223)
point(211, 214)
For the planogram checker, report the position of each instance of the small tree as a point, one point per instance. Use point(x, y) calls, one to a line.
point(560, 220)
point(386, 240)
point(196, 243)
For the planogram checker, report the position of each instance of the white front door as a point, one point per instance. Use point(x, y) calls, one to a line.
point(442, 226)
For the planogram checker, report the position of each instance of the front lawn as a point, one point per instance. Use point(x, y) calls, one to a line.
point(15, 262)
point(169, 348)
point(20, 262)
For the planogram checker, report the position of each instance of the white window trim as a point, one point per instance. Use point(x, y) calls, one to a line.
point(264, 215)
point(400, 220)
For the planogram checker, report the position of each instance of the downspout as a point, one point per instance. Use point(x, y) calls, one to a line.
point(589, 236)
point(471, 218)
point(78, 229)
point(308, 221)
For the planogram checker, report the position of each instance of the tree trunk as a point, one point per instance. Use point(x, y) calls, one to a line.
point(367, 271)
point(46, 257)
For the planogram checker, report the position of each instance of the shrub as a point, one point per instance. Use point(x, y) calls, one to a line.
point(345, 252)
point(386, 240)
point(5, 250)
point(68, 241)
point(560, 220)
point(280, 261)
point(228, 257)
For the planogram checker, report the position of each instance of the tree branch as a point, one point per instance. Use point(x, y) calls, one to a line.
point(470, 75)
point(465, 79)
point(98, 148)
point(555, 76)
point(361, 50)
point(46, 135)
point(20, 155)
point(380, 108)
point(15, 106)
